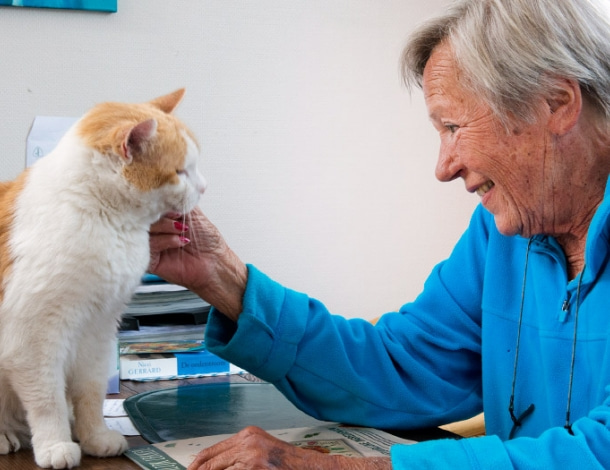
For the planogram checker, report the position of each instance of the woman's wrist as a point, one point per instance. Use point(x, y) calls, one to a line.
point(226, 291)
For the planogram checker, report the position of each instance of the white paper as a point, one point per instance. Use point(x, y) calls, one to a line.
point(146, 288)
point(44, 135)
point(114, 407)
point(122, 424)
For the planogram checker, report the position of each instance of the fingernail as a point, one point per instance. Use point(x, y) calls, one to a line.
point(185, 240)
point(180, 226)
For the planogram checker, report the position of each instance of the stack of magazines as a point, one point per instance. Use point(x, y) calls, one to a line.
point(163, 311)
point(161, 335)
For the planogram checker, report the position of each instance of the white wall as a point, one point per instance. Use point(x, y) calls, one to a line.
point(320, 165)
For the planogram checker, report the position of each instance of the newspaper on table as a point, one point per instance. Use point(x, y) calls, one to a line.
point(330, 439)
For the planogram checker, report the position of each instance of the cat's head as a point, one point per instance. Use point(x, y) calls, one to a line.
point(154, 152)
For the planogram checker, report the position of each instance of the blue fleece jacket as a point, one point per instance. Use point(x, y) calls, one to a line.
point(450, 354)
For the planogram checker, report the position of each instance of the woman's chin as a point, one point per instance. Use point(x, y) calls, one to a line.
point(507, 227)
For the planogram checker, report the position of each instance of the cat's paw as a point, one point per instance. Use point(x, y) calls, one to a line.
point(58, 455)
point(9, 442)
point(105, 443)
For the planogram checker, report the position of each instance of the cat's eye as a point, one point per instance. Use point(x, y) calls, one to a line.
point(181, 172)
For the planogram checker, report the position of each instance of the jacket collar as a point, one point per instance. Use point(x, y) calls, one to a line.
point(598, 237)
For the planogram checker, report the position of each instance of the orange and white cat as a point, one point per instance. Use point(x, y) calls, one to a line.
point(73, 247)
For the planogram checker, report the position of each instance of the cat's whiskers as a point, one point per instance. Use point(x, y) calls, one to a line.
point(185, 220)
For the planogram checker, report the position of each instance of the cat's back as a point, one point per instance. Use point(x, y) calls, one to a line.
point(9, 192)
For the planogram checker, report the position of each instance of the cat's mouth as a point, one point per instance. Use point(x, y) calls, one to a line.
point(484, 188)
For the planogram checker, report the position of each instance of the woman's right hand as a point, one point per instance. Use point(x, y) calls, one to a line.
point(190, 251)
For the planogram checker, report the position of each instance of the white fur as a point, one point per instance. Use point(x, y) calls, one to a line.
point(80, 247)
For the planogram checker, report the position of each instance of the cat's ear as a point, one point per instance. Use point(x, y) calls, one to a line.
point(137, 138)
point(169, 102)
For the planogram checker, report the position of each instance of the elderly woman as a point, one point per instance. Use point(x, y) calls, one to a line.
point(515, 323)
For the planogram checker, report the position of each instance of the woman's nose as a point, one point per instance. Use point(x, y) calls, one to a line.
point(448, 166)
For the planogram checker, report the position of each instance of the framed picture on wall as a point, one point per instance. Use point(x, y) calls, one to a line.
point(97, 5)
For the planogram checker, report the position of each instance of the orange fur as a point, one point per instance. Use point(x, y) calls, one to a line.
point(8, 194)
point(106, 127)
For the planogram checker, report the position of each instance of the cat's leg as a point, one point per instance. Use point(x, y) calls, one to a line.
point(87, 391)
point(9, 442)
point(44, 400)
point(14, 433)
point(37, 377)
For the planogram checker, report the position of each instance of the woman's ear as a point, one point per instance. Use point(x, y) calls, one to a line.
point(565, 106)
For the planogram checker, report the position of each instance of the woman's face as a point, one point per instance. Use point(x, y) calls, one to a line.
point(515, 172)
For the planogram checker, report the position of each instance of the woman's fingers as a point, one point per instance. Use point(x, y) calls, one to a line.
point(168, 225)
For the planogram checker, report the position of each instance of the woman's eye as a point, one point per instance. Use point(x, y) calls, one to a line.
point(452, 128)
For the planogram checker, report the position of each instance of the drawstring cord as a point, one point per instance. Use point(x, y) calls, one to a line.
point(568, 425)
point(517, 421)
point(511, 405)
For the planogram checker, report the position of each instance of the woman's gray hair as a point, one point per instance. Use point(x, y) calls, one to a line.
point(513, 51)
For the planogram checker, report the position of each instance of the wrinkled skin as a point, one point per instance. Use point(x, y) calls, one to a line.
point(254, 449)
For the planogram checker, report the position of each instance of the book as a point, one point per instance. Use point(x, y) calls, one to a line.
point(158, 302)
point(162, 333)
point(173, 365)
point(154, 296)
point(330, 439)
point(156, 347)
